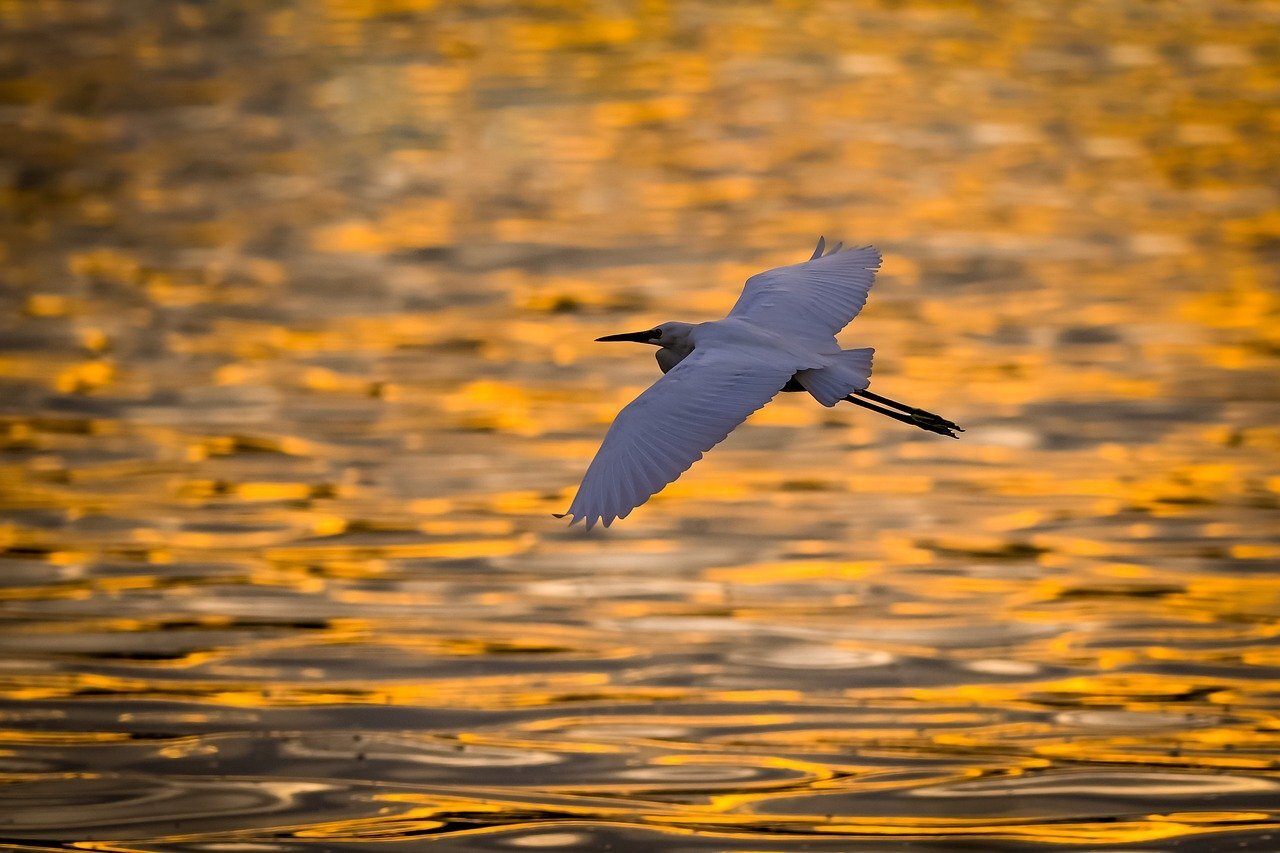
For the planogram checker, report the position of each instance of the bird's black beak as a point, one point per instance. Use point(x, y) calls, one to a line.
point(638, 337)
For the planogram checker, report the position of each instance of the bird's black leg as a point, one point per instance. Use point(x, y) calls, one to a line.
point(919, 416)
point(939, 426)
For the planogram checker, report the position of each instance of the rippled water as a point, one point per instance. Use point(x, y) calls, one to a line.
point(296, 362)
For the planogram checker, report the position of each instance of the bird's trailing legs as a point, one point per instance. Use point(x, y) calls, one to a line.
point(907, 414)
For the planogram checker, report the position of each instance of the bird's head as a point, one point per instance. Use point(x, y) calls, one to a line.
point(666, 335)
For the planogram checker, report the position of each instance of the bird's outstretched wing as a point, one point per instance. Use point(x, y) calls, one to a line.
point(814, 299)
point(659, 434)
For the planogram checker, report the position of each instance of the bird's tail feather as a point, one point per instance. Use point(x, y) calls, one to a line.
point(851, 371)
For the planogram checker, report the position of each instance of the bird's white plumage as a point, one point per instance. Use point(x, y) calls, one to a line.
point(657, 436)
point(781, 332)
point(847, 372)
point(812, 300)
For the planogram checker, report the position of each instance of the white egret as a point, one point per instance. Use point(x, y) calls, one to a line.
point(779, 336)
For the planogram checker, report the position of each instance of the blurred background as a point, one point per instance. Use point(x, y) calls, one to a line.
point(297, 302)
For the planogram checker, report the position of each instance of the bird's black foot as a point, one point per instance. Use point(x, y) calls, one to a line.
point(928, 420)
point(938, 428)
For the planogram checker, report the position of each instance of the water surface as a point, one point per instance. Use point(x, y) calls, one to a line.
point(296, 362)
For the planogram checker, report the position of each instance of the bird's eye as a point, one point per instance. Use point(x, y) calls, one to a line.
point(656, 333)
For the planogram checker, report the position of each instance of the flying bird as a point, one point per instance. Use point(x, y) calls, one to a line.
point(779, 336)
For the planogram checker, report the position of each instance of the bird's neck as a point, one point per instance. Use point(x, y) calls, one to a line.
point(669, 357)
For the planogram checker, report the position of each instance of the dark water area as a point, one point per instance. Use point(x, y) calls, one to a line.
point(297, 302)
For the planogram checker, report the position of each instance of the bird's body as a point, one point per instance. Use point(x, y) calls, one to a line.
point(779, 336)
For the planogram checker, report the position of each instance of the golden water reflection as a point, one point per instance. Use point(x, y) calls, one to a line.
point(296, 362)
